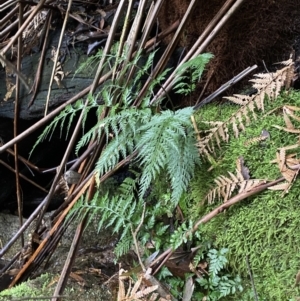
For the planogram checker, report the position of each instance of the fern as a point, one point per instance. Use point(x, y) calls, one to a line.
point(68, 113)
point(164, 142)
point(185, 84)
point(123, 246)
point(123, 126)
point(163, 145)
point(217, 284)
point(181, 235)
point(108, 92)
point(226, 186)
point(90, 63)
point(119, 213)
point(217, 260)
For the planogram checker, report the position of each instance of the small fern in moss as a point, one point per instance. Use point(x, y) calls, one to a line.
point(218, 284)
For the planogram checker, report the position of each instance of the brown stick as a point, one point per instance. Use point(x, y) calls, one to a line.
point(73, 249)
point(233, 201)
point(26, 162)
point(37, 79)
point(23, 177)
point(16, 119)
point(6, 19)
point(203, 41)
point(225, 86)
point(167, 53)
point(50, 235)
point(57, 55)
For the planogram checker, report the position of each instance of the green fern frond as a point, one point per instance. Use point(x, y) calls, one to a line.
point(196, 66)
point(118, 211)
point(84, 208)
point(217, 260)
point(123, 127)
point(129, 185)
point(143, 67)
point(124, 245)
point(186, 160)
point(67, 114)
point(181, 235)
point(165, 142)
point(155, 83)
point(90, 64)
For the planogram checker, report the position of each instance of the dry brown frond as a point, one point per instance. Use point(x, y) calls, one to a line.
point(268, 86)
point(140, 291)
point(285, 164)
point(255, 140)
point(288, 114)
point(239, 183)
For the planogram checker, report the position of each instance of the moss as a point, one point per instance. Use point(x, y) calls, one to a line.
point(263, 227)
point(36, 288)
point(44, 286)
point(266, 231)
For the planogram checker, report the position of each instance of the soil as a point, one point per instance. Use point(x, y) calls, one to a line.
point(94, 273)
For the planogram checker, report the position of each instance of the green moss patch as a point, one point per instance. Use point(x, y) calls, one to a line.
point(265, 227)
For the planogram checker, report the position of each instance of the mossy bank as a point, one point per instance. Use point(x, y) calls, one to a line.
point(265, 227)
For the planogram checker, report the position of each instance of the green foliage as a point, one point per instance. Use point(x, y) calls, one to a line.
point(28, 290)
point(181, 235)
point(165, 142)
point(68, 113)
point(109, 91)
point(119, 212)
point(124, 126)
point(269, 239)
point(218, 284)
point(89, 64)
point(165, 151)
point(186, 82)
point(217, 260)
point(123, 246)
point(175, 284)
point(168, 143)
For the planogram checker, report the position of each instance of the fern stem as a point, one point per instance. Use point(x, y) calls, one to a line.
point(134, 235)
point(251, 278)
point(233, 201)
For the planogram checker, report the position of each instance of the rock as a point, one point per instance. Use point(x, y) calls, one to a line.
point(70, 85)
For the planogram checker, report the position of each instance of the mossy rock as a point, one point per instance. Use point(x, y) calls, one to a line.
point(36, 288)
point(44, 287)
point(265, 227)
